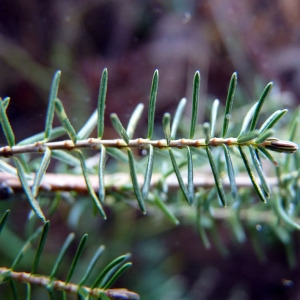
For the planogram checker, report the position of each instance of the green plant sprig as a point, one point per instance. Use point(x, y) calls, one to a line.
point(102, 283)
point(67, 287)
point(258, 140)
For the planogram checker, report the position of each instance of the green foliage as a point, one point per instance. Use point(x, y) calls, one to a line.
point(98, 288)
point(149, 180)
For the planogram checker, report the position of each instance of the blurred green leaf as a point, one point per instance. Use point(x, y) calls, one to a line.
point(8, 132)
point(88, 127)
point(135, 117)
point(4, 219)
point(213, 119)
point(177, 117)
point(25, 247)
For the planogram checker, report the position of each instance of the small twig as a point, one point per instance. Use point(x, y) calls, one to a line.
point(67, 287)
point(69, 182)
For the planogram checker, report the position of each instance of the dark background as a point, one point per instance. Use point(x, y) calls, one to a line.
point(258, 39)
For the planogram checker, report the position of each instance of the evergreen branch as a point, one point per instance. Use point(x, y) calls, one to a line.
point(250, 137)
point(70, 288)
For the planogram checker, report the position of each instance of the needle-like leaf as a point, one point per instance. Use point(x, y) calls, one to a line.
point(293, 130)
point(25, 247)
point(190, 186)
point(89, 185)
point(92, 264)
point(88, 127)
point(217, 177)
point(41, 172)
point(118, 154)
point(116, 275)
point(166, 127)
point(268, 155)
point(33, 202)
point(152, 104)
point(230, 172)
point(40, 246)
point(283, 214)
point(61, 254)
point(179, 177)
point(55, 133)
point(261, 101)
point(9, 134)
point(135, 183)
point(5, 102)
point(229, 102)
point(260, 172)
point(28, 291)
point(4, 219)
point(252, 177)
point(109, 270)
point(101, 169)
point(65, 120)
point(148, 174)
point(213, 119)
point(168, 213)
point(76, 257)
point(248, 136)
point(264, 135)
point(135, 117)
point(272, 120)
point(119, 127)
point(5, 167)
point(196, 90)
point(177, 117)
point(101, 102)
point(66, 157)
point(206, 130)
point(248, 119)
point(51, 108)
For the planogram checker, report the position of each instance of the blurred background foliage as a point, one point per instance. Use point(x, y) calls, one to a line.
point(258, 39)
